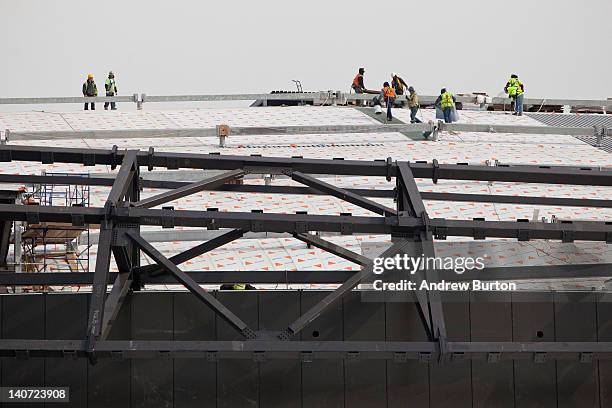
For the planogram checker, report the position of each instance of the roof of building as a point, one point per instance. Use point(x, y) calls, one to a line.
point(289, 254)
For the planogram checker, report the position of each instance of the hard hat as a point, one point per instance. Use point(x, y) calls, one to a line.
point(90, 76)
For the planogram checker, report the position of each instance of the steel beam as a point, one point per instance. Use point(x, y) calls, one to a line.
point(124, 178)
point(193, 287)
point(333, 249)
point(342, 194)
point(315, 311)
point(114, 302)
point(409, 202)
point(412, 201)
point(509, 173)
point(98, 290)
point(509, 273)
point(194, 252)
point(515, 173)
point(297, 223)
point(201, 277)
point(523, 230)
point(261, 189)
point(189, 189)
point(521, 200)
point(301, 130)
point(310, 350)
point(66, 99)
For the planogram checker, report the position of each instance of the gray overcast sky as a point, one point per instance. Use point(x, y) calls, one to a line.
point(559, 48)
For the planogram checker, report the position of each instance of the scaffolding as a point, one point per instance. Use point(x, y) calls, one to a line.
point(55, 246)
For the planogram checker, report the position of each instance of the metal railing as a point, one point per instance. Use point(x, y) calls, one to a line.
point(430, 126)
point(320, 97)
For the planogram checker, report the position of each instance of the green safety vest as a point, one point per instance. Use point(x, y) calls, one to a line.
point(90, 89)
point(446, 101)
point(515, 87)
point(239, 286)
point(111, 86)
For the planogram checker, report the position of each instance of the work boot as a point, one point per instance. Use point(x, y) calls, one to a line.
point(520, 114)
point(106, 108)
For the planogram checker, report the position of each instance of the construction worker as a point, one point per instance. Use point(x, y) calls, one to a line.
point(90, 90)
point(413, 104)
point(237, 286)
point(516, 91)
point(358, 85)
point(111, 90)
point(446, 101)
point(398, 84)
point(389, 95)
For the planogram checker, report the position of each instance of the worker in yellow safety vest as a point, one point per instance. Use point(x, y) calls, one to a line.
point(237, 286)
point(446, 101)
point(516, 91)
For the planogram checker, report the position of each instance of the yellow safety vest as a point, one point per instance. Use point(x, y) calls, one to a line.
point(447, 100)
point(515, 87)
point(239, 286)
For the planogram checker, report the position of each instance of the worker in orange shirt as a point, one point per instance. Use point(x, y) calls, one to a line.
point(389, 96)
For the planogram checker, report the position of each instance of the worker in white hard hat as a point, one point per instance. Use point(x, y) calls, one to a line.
point(90, 90)
point(111, 90)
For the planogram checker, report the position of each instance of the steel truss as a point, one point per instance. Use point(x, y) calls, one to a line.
point(408, 224)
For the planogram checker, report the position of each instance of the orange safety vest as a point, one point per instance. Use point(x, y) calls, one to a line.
point(389, 92)
point(356, 80)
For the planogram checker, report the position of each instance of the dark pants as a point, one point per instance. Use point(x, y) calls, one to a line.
point(112, 104)
point(447, 114)
point(389, 106)
point(93, 105)
point(413, 113)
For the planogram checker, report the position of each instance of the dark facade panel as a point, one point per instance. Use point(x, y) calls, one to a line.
point(152, 379)
point(280, 379)
point(533, 320)
point(110, 380)
point(23, 317)
point(491, 320)
point(66, 318)
point(238, 380)
point(323, 383)
point(407, 382)
point(323, 380)
point(451, 382)
point(195, 380)
point(604, 333)
point(576, 320)
point(365, 380)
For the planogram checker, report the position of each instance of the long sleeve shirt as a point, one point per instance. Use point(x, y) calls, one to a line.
point(413, 100)
point(90, 88)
